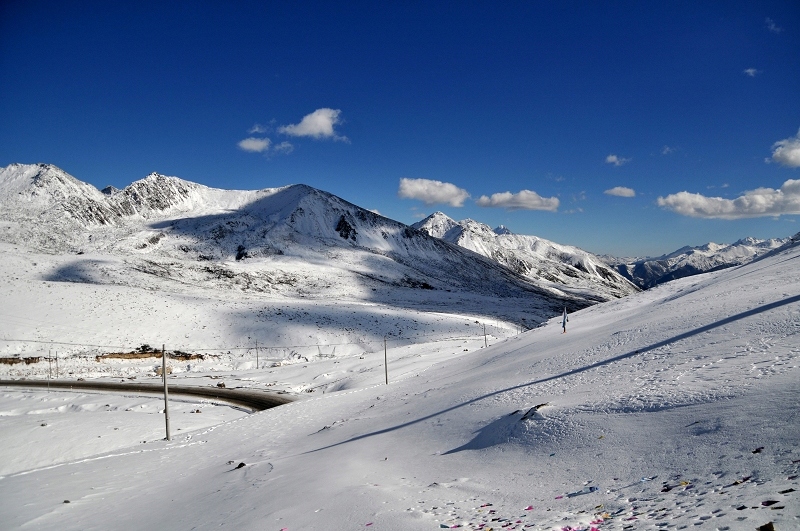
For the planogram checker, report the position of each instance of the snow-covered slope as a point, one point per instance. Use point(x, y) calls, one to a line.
point(558, 267)
point(687, 261)
point(674, 408)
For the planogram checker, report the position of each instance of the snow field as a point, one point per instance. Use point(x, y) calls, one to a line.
point(676, 408)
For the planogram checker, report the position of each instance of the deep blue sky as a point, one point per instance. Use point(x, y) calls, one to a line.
point(572, 101)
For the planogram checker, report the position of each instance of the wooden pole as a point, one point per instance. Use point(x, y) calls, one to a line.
point(49, 368)
point(166, 393)
point(385, 361)
point(485, 341)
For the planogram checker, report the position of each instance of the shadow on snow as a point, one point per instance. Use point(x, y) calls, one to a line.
point(504, 421)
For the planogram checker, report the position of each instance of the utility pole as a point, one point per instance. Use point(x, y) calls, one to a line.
point(485, 341)
point(166, 393)
point(385, 361)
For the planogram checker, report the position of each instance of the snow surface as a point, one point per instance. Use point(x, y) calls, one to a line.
point(674, 408)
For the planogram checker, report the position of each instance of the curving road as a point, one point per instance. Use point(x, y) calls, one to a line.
point(255, 400)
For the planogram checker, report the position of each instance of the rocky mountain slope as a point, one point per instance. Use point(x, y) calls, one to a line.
point(561, 268)
point(687, 261)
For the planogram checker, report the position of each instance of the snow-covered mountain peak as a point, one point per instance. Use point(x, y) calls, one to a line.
point(436, 225)
point(44, 192)
point(159, 193)
point(711, 247)
point(557, 267)
point(42, 180)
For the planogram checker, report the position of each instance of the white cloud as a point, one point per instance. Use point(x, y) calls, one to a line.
point(616, 161)
point(787, 151)
point(774, 28)
point(255, 145)
point(318, 124)
point(621, 191)
point(751, 72)
point(760, 202)
point(257, 129)
point(666, 150)
point(523, 200)
point(283, 147)
point(432, 192)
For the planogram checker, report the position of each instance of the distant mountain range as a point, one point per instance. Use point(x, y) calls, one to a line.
point(559, 268)
point(686, 261)
point(298, 241)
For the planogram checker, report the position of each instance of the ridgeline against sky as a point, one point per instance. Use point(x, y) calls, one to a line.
point(628, 129)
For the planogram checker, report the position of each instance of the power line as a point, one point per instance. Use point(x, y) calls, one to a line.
point(409, 341)
point(61, 343)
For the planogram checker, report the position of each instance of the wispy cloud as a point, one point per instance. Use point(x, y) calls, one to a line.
point(257, 129)
point(283, 147)
point(760, 202)
point(621, 191)
point(774, 28)
point(255, 145)
point(319, 124)
point(522, 200)
point(616, 161)
point(432, 192)
point(751, 72)
point(666, 150)
point(787, 151)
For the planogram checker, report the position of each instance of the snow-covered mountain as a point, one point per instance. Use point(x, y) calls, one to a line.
point(294, 240)
point(687, 261)
point(563, 268)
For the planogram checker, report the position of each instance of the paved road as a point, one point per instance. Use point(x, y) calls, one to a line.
point(255, 400)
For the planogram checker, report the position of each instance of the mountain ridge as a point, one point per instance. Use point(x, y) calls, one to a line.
point(557, 267)
point(692, 260)
point(294, 240)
